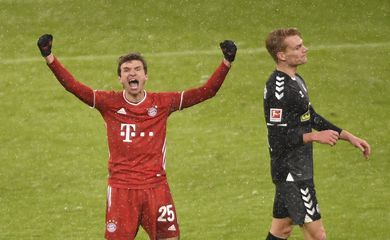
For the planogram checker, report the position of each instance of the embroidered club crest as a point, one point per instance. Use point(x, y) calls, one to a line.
point(111, 226)
point(152, 111)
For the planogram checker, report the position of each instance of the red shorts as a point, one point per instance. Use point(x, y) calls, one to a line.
point(153, 209)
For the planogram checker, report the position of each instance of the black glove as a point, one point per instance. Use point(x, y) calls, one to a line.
point(229, 50)
point(44, 44)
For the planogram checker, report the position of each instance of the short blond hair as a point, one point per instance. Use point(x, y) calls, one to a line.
point(275, 40)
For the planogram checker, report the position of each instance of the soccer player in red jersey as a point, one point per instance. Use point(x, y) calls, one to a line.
point(138, 192)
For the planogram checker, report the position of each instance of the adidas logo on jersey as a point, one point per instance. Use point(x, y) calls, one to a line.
point(122, 111)
point(172, 228)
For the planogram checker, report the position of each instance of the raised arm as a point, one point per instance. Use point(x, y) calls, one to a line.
point(83, 92)
point(210, 88)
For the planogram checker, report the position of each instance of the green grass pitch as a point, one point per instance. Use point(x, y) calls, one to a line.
point(53, 151)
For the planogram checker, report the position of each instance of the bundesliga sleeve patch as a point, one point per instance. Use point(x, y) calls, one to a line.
point(276, 114)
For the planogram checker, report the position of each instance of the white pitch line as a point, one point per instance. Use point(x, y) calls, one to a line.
point(196, 53)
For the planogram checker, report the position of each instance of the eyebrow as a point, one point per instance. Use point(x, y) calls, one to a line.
point(136, 67)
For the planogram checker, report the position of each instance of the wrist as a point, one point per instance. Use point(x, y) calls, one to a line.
point(345, 135)
point(309, 137)
point(227, 63)
point(49, 59)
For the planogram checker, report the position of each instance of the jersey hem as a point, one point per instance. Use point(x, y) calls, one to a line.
point(138, 186)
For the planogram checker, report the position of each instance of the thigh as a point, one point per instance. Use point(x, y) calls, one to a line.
point(313, 230)
point(299, 198)
point(122, 213)
point(159, 217)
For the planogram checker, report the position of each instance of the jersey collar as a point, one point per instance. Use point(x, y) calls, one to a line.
point(131, 103)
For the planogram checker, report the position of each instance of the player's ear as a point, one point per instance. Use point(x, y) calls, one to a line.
point(281, 56)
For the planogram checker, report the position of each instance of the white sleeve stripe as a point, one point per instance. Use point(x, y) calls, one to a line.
point(164, 151)
point(278, 125)
point(181, 100)
point(94, 99)
point(109, 197)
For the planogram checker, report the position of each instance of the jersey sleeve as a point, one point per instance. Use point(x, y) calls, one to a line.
point(102, 100)
point(280, 117)
point(171, 100)
point(83, 92)
point(208, 90)
point(319, 123)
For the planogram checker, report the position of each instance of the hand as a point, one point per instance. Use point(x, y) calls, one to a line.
point(357, 142)
point(44, 44)
point(326, 137)
point(362, 145)
point(229, 50)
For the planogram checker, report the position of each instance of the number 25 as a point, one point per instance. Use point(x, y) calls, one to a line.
point(166, 214)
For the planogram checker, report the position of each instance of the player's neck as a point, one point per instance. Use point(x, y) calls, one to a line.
point(135, 98)
point(289, 70)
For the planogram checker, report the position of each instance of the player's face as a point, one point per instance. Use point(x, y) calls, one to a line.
point(133, 77)
point(295, 53)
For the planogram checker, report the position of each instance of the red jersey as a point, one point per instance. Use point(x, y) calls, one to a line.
point(137, 132)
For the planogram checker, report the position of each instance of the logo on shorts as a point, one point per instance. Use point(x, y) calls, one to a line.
point(152, 111)
point(111, 226)
point(172, 228)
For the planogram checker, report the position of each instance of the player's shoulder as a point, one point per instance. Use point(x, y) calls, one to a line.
point(108, 92)
point(165, 99)
point(164, 95)
point(278, 78)
point(278, 83)
point(108, 96)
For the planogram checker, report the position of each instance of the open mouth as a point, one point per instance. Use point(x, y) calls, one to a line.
point(133, 83)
